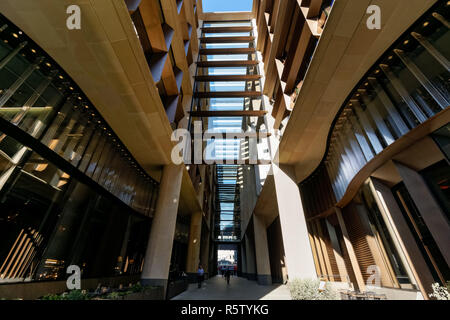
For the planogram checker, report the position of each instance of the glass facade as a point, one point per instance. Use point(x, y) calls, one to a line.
point(422, 235)
point(47, 224)
point(407, 86)
point(70, 192)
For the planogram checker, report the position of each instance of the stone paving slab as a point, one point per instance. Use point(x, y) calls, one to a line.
point(216, 288)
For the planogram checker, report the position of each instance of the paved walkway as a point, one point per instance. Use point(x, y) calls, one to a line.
point(216, 288)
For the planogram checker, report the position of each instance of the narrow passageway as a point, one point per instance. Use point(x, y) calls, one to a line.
point(216, 288)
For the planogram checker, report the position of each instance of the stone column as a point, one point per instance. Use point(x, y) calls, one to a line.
point(344, 277)
point(243, 261)
point(204, 253)
point(193, 255)
point(412, 258)
point(159, 248)
point(250, 255)
point(297, 248)
point(264, 276)
point(351, 253)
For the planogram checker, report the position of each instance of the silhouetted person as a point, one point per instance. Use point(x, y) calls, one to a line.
point(227, 275)
point(200, 275)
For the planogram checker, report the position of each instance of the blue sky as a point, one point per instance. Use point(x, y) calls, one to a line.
point(227, 5)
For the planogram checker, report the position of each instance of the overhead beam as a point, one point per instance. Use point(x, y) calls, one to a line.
point(227, 94)
point(241, 161)
point(244, 77)
point(239, 113)
point(226, 29)
point(226, 39)
point(225, 63)
point(259, 135)
point(227, 51)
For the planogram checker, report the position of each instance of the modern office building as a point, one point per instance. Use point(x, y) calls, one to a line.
point(316, 143)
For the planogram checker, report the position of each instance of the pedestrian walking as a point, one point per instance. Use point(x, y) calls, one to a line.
point(227, 275)
point(200, 275)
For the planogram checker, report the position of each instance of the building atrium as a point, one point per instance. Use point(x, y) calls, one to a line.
point(142, 141)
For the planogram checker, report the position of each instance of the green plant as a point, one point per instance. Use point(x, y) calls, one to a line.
point(53, 297)
point(115, 295)
point(440, 292)
point(308, 289)
point(71, 295)
point(140, 288)
point(137, 288)
point(77, 295)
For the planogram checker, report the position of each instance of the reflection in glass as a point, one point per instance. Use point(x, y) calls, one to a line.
point(408, 86)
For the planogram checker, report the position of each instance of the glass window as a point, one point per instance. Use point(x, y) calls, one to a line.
point(442, 138)
point(27, 212)
point(437, 177)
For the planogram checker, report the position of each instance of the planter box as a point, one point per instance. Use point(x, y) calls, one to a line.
point(177, 287)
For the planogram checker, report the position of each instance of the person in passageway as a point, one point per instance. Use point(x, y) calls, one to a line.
point(200, 275)
point(228, 275)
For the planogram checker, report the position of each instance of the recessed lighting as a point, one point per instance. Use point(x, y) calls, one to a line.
point(5, 41)
point(377, 71)
point(406, 42)
point(61, 77)
point(20, 32)
point(48, 64)
point(79, 98)
point(390, 58)
point(15, 35)
point(32, 50)
point(86, 106)
point(426, 23)
point(366, 84)
point(71, 88)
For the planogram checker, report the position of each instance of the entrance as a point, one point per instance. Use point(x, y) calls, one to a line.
point(227, 259)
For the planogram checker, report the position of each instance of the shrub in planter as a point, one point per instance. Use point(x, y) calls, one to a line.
point(72, 295)
point(116, 295)
point(137, 292)
point(440, 292)
point(308, 289)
